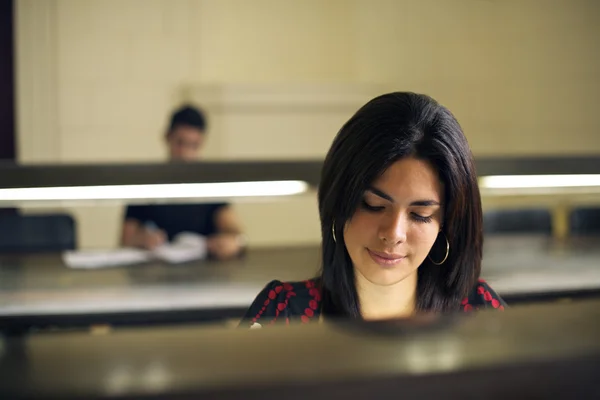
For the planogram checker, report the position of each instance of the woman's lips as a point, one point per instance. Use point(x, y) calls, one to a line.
point(386, 259)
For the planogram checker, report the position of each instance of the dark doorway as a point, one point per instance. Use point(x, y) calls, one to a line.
point(7, 81)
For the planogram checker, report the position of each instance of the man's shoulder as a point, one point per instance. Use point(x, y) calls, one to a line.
point(176, 207)
point(201, 207)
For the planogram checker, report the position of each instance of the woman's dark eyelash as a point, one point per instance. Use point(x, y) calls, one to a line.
point(421, 218)
point(417, 217)
point(370, 207)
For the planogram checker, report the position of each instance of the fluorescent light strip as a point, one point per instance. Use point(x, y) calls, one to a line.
point(159, 191)
point(538, 181)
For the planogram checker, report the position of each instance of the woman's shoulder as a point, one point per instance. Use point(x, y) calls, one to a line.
point(482, 296)
point(284, 302)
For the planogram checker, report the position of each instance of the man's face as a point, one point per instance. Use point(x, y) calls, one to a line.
point(185, 143)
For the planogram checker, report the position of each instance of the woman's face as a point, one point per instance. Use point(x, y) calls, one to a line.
point(397, 222)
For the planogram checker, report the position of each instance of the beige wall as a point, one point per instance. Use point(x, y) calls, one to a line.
point(96, 79)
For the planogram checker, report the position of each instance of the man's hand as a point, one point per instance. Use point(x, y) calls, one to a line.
point(225, 245)
point(152, 238)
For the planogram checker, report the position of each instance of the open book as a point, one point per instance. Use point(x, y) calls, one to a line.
point(184, 247)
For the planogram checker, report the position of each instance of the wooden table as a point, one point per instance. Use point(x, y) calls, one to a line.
point(43, 287)
point(542, 351)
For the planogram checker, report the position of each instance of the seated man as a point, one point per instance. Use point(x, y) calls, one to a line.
point(148, 226)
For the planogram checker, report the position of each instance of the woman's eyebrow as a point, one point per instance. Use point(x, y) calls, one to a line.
point(417, 203)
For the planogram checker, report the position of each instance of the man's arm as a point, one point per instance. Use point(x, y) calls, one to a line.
point(229, 240)
point(226, 221)
point(134, 234)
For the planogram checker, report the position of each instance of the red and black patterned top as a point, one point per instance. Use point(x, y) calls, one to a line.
point(301, 301)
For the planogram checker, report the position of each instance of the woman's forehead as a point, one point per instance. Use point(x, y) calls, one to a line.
point(410, 177)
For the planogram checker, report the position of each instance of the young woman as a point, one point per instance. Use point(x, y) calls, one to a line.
point(401, 222)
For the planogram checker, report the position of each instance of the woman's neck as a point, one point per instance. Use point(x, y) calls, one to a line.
point(387, 302)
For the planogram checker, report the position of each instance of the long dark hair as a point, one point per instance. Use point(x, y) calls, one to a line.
point(386, 129)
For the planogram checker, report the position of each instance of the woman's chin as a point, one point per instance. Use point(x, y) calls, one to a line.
point(382, 276)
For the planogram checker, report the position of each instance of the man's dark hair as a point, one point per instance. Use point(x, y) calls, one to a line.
point(187, 115)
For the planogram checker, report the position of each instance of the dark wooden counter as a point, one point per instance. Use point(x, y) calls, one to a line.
point(534, 352)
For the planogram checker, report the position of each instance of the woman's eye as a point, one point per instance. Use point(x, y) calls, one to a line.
point(369, 207)
point(420, 218)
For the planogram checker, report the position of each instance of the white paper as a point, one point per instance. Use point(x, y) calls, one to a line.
point(185, 247)
point(105, 258)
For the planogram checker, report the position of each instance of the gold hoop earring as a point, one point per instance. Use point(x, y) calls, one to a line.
point(447, 251)
point(333, 231)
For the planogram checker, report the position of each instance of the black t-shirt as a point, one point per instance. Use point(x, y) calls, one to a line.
point(177, 218)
